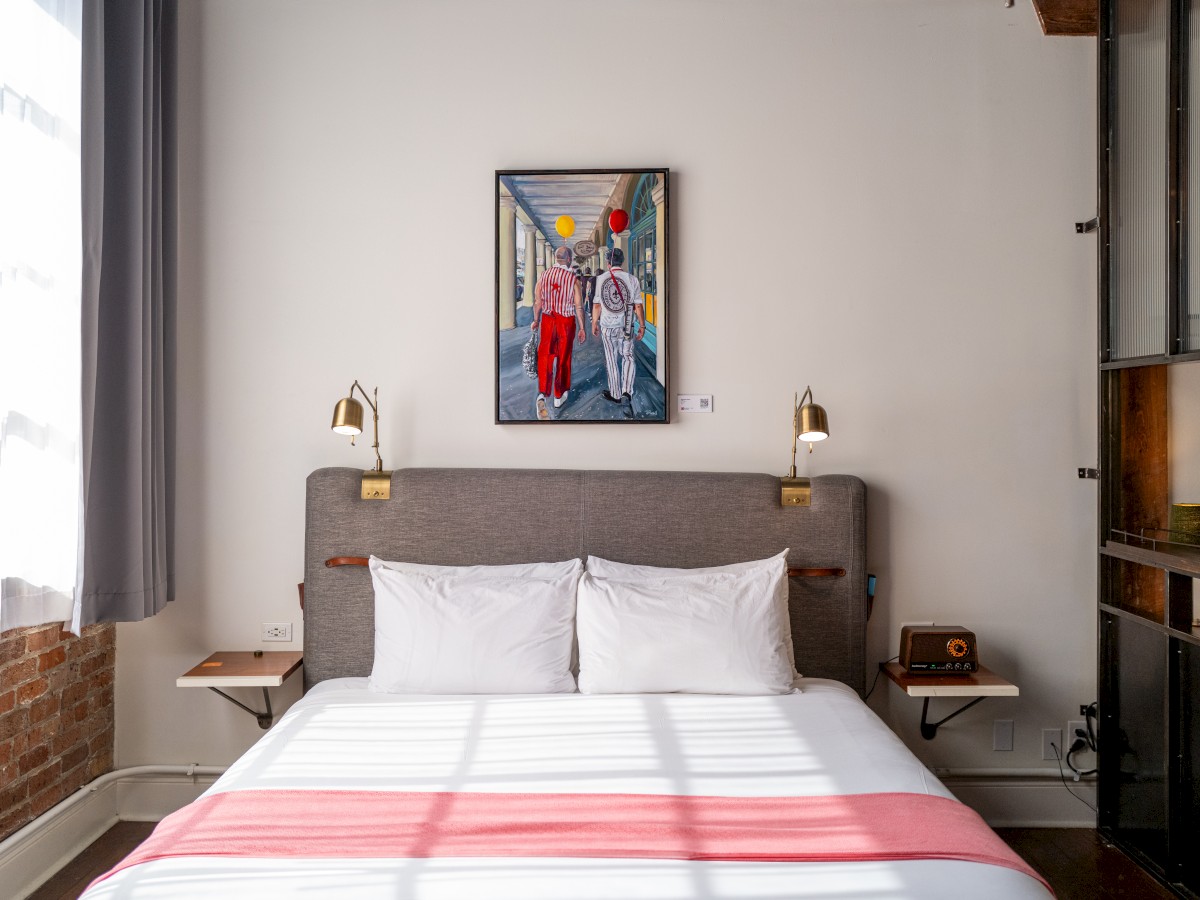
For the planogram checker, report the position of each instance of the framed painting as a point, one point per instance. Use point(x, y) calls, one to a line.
point(582, 301)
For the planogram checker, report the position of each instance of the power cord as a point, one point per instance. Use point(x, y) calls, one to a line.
point(879, 671)
point(1063, 776)
point(1084, 739)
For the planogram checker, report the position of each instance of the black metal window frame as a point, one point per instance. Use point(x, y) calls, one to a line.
point(1177, 142)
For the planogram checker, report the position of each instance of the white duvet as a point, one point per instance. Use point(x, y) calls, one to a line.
point(822, 740)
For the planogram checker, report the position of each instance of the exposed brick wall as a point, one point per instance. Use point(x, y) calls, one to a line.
point(56, 716)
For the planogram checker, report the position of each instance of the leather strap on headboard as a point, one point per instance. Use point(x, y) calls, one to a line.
point(498, 516)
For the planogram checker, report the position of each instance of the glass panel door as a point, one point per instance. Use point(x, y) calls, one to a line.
point(1133, 739)
point(1189, 324)
point(1138, 179)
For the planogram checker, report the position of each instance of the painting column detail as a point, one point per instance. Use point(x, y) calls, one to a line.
point(531, 267)
point(508, 263)
point(622, 240)
point(659, 196)
point(597, 238)
point(541, 256)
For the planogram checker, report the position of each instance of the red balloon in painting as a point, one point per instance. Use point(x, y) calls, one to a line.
point(618, 220)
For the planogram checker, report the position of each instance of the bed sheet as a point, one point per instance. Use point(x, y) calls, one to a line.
point(821, 740)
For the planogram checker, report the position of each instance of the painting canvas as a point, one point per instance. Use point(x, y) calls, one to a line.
point(582, 296)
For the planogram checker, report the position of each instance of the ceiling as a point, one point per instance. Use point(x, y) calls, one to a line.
point(544, 198)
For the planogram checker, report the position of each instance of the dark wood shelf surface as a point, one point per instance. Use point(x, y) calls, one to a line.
point(1171, 557)
point(984, 683)
point(242, 668)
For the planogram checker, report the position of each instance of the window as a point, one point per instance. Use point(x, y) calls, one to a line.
point(644, 252)
point(39, 308)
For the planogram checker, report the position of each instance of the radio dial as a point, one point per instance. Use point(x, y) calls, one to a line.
point(957, 647)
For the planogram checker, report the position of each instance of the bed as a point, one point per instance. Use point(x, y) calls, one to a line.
point(630, 779)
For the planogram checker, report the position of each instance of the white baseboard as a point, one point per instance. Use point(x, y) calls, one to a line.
point(153, 798)
point(27, 863)
point(1008, 801)
point(34, 854)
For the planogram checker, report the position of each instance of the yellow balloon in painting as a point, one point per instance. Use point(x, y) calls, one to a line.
point(565, 226)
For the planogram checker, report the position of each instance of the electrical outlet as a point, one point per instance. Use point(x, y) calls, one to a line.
point(277, 631)
point(1052, 736)
point(1074, 725)
point(1002, 734)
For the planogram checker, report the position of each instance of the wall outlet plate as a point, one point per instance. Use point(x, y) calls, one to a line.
point(1002, 734)
point(1072, 726)
point(277, 631)
point(1052, 736)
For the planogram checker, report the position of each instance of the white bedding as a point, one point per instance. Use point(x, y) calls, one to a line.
point(820, 741)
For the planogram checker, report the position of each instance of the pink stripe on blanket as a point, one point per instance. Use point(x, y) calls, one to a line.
point(384, 824)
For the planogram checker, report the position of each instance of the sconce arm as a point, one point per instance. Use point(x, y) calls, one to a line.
point(374, 418)
point(799, 403)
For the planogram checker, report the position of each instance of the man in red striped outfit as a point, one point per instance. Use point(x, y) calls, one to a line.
point(558, 309)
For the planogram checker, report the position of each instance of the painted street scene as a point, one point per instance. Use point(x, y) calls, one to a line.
point(582, 297)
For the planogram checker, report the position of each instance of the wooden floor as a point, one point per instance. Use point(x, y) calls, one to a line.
point(1075, 861)
point(104, 853)
point(1081, 866)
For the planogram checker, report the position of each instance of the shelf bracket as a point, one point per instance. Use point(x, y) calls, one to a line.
point(929, 729)
point(1087, 227)
point(1089, 473)
point(264, 718)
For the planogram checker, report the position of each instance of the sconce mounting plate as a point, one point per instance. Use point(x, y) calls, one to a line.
point(376, 485)
point(795, 491)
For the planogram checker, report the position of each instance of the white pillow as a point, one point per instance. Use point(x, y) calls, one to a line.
point(599, 567)
point(472, 634)
point(514, 570)
point(706, 633)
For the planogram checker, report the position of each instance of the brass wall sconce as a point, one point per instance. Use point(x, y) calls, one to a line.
point(810, 423)
point(348, 419)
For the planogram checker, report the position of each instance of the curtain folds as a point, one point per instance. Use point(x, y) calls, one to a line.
point(127, 557)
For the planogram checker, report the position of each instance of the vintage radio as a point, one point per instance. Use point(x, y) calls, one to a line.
point(938, 650)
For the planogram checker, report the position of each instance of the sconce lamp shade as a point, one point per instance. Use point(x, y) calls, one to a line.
point(814, 423)
point(348, 416)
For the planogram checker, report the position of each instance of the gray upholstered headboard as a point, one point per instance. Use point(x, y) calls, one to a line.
point(496, 516)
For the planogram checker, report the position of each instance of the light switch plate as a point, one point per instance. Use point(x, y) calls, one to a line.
point(1002, 734)
point(695, 403)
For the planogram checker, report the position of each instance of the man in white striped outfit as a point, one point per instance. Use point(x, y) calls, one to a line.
point(620, 305)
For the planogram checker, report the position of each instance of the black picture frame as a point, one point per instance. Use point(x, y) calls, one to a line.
point(528, 203)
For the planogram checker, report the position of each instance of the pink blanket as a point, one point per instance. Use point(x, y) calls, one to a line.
point(383, 824)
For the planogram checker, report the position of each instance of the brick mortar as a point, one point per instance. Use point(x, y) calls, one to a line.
point(56, 716)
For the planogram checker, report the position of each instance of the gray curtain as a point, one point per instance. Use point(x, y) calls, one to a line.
point(127, 557)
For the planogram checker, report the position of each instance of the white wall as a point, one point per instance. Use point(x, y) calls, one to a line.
point(873, 197)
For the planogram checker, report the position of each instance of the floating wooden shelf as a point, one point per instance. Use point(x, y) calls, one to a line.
point(984, 683)
point(980, 685)
point(242, 668)
point(1068, 17)
point(1171, 557)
